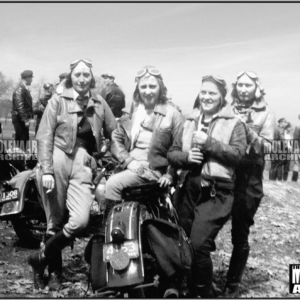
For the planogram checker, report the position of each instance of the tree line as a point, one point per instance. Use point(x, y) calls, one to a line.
point(7, 86)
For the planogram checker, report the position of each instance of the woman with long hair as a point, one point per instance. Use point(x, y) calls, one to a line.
point(141, 141)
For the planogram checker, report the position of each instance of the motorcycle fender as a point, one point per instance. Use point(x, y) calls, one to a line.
point(131, 216)
point(16, 206)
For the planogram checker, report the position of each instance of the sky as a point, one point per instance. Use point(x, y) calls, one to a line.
point(185, 41)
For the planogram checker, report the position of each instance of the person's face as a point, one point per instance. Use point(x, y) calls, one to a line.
point(28, 80)
point(210, 98)
point(149, 90)
point(81, 78)
point(245, 87)
point(283, 124)
point(107, 80)
point(47, 91)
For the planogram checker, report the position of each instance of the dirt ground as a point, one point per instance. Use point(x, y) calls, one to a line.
point(275, 243)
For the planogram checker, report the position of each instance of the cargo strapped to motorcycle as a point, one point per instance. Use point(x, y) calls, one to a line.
point(170, 246)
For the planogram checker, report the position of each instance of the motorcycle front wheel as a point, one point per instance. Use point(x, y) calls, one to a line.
point(31, 225)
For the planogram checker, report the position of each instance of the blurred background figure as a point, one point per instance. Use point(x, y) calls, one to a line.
point(283, 165)
point(278, 136)
point(297, 161)
point(62, 76)
point(113, 95)
point(58, 87)
point(38, 109)
point(22, 108)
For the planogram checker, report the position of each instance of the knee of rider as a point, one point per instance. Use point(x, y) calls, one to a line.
point(113, 189)
point(79, 225)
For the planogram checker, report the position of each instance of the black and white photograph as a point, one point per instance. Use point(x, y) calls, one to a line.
point(149, 149)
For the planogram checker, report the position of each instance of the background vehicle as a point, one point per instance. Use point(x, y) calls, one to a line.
point(18, 187)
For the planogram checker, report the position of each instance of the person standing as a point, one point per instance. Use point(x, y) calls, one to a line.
point(278, 137)
point(212, 142)
point(62, 76)
point(283, 164)
point(71, 129)
point(59, 86)
point(22, 110)
point(41, 104)
point(297, 160)
point(250, 106)
point(113, 95)
point(288, 136)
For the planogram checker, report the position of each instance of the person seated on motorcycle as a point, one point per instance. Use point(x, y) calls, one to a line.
point(141, 141)
point(213, 140)
point(70, 129)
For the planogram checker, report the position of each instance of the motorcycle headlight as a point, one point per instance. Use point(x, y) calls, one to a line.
point(9, 207)
point(117, 235)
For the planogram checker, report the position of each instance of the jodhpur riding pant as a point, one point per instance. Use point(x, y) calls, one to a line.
point(72, 192)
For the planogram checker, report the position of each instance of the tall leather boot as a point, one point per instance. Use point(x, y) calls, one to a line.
point(48, 253)
point(39, 264)
point(237, 266)
point(52, 252)
point(285, 176)
point(295, 176)
point(109, 204)
point(202, 273)
point(55, 270)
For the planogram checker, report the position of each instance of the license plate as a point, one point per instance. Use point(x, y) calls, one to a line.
point(131, 248)
point(13, 194)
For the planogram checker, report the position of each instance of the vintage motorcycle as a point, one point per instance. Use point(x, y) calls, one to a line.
point(143, 248)
point(17, 187)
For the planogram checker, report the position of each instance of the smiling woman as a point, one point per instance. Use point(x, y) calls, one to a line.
point(212, 142)
point(141, 142)
point(70, 131)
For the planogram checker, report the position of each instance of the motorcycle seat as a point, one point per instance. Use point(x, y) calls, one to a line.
point(143, 190)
